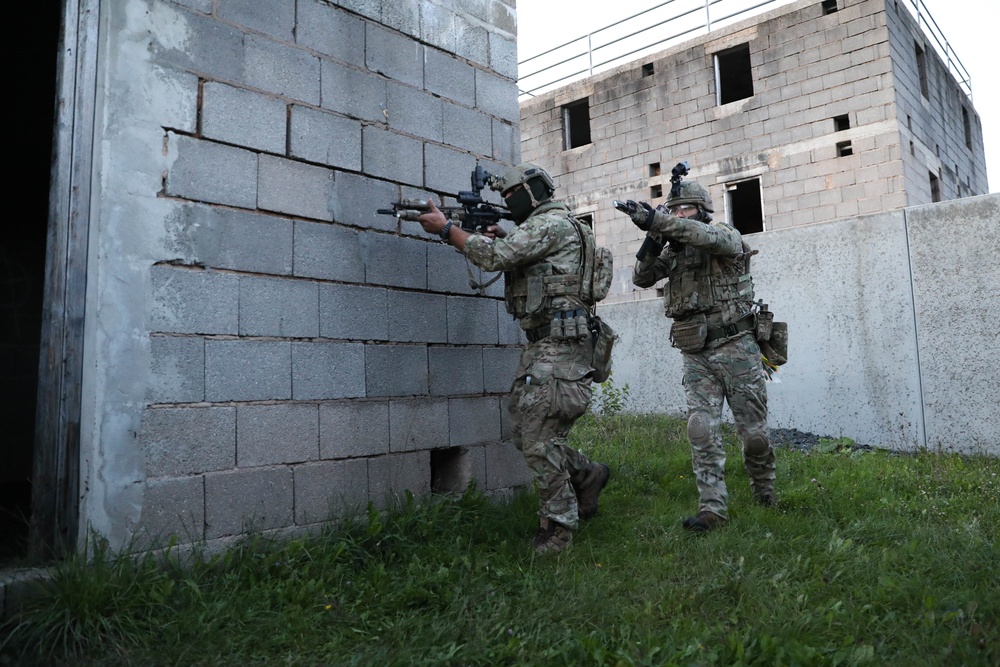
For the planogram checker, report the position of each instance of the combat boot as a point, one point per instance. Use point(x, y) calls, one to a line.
point(765, 498)
point(703, 522)
point(551, 538)
point(588, 488)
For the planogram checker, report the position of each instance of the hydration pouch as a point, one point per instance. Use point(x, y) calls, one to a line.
point(689, 335)
point(776, 347)
point(603, 337)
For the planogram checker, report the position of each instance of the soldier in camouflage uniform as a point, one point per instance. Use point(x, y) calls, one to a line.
point(709, 296)
point(542, 260)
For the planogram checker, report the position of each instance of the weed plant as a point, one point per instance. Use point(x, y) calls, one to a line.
point(872, 558)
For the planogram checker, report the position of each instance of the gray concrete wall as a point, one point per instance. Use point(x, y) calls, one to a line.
point(262, 349)
point(893, 338)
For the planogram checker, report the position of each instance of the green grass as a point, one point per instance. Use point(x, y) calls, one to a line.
point(872, 558)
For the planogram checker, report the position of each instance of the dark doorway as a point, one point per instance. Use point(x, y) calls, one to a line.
point(22, 265)
point(745, 210)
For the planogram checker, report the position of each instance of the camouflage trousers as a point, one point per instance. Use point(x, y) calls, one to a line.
point(551, 390)
point(731, 372)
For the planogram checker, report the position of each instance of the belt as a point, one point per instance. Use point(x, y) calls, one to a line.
point(746, 323)
point(534, 335)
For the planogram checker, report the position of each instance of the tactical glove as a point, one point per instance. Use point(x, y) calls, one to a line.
point(642, 215)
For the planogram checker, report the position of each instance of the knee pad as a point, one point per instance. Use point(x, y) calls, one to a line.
point(698, 432)
point(756, 444)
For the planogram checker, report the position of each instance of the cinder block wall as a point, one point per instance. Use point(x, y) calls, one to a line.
point(263, 350)
point(892, 332)
point(808, 67)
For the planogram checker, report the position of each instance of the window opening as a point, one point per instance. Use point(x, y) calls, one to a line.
point(655, 192)
point(746, 212)
point(935, 187)
point(647, 69)
point(922, 70)
point(844, 149)
point(585, 218)
point(967, 126)
point(654, 169)
point(576, 124)
point(829, 6)
point(733, 74)
point(841, 123)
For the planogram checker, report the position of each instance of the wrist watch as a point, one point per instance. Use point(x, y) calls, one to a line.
point(445, 232)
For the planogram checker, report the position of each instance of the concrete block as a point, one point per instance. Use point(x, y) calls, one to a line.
point(396, 370)
point(505, 467)
point(242, 501)
point(447, 170)
point(294, 188)
point(354, 428)
point(329, 490)
point(178, 369)
point(330, 252)
point(396, 56)
point(449, 77)
point(187, 301)
point(499, 365)
point(231, 239)
point(203, 6)
point(415, 112)
point(403, 15)
point(212, 48)
point(473, 421)
point(417, 317)
point(497, 96)
point(172, 507)
point(503, 55)
point(187, 441)
point(391, 476)
point(270, 434)
point(392, 156)
point(356, 199)
point(437, 27)
point(471, 40)
point(370, 8)
point(203, 171)
point(326, 138)
point(506, 142)
point(468, 129)
point(278, 307)
point(395, 261)
point(330, 31)
point(448, 270)
point(353, 92)
point(418, 424)
point(455, 370)
point(322, 370)
point(472, 321)
point(247, 370)
point(511, 332)
point(276, 17)
point(353, 312)
point(502, 16)
point(281, 69)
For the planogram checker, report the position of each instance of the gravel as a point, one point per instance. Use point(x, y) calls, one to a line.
point(792, 438)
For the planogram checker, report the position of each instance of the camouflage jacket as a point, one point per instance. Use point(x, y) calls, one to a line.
point(541, 258)
point(707, 267)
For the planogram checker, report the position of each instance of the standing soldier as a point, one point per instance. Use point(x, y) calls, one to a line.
point(544, 258)
point(709, 296)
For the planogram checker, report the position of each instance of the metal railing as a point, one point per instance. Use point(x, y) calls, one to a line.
point(657, 28)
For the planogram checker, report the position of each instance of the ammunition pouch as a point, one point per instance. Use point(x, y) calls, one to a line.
point(603, 337)
point(775, 348)
point(689, 335)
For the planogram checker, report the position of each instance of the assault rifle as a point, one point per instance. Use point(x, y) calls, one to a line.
point(651, 246)
point(474, 214)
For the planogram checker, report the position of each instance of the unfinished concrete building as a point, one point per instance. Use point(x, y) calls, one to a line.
point(814, 111)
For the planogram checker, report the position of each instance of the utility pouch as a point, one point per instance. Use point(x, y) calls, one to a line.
point(765, 318)
point(603, 337)
point(776, 347)
point(689, 335)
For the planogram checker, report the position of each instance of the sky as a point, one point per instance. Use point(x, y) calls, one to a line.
point(969, 25)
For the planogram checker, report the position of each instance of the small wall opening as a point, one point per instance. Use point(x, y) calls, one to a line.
point(829, 6)
point(841, 123)
point(655, 192)
point(935, 187)
point(967, 126)
point(451, 470)
point(585, 218)
point(746, 213)
point(733, 74)
point(647, 69)
point(654, 169)
point(576, 124)
point(844, 149)
point(922, 70)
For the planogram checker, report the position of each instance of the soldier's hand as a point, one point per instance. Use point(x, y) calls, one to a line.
point(495, 232)
point(433, 221)
point(642, 216)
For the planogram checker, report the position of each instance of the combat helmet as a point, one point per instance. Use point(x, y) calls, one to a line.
point(691, 192)
point(538, 189)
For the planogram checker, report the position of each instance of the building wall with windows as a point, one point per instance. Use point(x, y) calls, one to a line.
point(794, 117)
